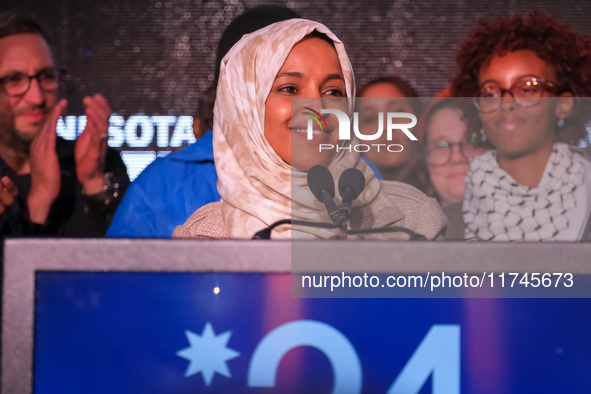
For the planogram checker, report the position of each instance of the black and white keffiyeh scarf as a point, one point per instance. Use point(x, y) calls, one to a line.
point(497, 208)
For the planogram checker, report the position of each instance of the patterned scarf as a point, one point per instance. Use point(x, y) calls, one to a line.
point(254, 182)
point(497, 208)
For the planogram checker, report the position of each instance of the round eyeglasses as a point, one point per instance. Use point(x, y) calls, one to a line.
point(439, 153)
point(527, 92)
point(17, 84)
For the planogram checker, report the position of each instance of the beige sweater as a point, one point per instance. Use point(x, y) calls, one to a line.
point(397, 204)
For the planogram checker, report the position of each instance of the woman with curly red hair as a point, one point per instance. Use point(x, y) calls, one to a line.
point(531, 79)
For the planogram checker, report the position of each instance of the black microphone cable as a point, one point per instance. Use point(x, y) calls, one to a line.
point(413, 236)
point(266, 232)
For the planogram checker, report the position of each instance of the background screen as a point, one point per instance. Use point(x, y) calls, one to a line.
point(153, 59)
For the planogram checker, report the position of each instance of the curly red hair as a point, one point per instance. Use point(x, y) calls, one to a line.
point(557, 43)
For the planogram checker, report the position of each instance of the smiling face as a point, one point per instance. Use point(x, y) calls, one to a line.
point(447, 126)
point(384, 97)
point(312, 70)
point(28, 54)
point(516, 131)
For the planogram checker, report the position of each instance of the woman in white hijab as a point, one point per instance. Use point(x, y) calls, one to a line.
point(260, 180)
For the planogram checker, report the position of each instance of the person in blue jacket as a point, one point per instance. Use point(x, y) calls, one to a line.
point(167, 192)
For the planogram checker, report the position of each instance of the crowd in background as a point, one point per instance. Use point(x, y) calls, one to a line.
point(498, 149)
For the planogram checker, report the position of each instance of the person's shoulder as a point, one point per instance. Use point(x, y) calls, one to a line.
point(205, 223)
point(161, 166)
point(170, 165)
point(199, 151)
point(410, 207)
point(402, 190)
point(152, 177)
point(413, 202)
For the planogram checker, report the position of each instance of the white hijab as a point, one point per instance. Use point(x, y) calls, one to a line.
point(257, 187)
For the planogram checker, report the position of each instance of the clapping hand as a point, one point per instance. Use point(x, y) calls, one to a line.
point(91, 146)
point(45, 168)
point(8, 192)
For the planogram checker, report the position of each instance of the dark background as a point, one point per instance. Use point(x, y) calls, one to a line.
point(156, 57)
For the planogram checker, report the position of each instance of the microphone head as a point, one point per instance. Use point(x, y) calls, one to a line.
point(319, 180)
point(351, 184)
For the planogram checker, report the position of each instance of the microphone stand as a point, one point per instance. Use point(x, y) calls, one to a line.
point(351, 184)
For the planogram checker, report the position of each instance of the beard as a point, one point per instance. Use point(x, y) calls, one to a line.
point(10, 137)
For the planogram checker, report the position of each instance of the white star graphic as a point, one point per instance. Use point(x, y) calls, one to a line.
point(208, 354)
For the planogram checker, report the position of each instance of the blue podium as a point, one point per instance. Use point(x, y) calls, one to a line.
point(176, 316)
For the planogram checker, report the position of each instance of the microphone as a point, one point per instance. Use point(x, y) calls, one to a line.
point(351, 184)
point(321, 184)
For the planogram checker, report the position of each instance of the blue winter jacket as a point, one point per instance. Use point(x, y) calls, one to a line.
point(167, 192)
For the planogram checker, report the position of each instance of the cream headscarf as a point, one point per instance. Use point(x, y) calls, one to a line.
point(257, 187)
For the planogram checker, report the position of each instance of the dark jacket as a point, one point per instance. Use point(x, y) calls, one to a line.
point(72, 213)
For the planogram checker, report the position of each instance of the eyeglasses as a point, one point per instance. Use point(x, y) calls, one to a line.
point(439, 153)
point(17, 84)
point(527, 92)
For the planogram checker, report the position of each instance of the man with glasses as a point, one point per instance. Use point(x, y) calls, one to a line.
point(50, 186)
